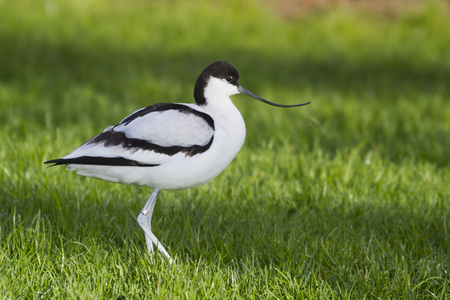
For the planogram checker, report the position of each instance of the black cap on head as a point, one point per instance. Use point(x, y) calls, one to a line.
point(218, 69)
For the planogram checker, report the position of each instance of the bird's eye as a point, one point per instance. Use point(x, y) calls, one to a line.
point(229, 78)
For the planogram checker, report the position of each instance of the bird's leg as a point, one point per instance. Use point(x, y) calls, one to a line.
point(145, 221)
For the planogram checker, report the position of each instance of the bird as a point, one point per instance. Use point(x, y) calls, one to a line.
point(170, 146)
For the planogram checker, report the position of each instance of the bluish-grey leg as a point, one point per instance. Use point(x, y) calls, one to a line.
point(145, 221)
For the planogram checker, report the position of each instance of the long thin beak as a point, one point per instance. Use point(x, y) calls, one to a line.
point(247, 92)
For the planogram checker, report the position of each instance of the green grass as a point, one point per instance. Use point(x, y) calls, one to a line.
point(347, 198)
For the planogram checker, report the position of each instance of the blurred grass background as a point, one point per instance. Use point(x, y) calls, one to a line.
point(345, 198)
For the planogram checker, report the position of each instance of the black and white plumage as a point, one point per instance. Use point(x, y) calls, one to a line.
point(170, 146)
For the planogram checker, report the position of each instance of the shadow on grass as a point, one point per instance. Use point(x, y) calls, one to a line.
point(237, 226)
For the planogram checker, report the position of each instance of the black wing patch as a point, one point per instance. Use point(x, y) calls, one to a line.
point(115, 138)
point(103, 161)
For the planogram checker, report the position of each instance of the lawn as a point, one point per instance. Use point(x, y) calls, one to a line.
point(346, 198)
